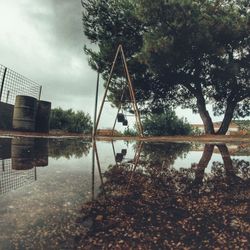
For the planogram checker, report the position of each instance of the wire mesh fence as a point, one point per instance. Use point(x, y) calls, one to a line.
point(13, 84)
point(13, 179)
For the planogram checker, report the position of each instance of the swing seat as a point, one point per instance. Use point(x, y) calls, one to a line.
point(124, 152)
point(120, 117)
point(125, 123)
point(119, 157)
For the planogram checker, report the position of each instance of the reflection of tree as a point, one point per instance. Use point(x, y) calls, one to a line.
point(242, 168)
point(68, 148)
point(243, 150)
point(157, 160)
point(157, 153)
point(158, 211)
point(228, 164)
point(228, 174)
point(201, 166)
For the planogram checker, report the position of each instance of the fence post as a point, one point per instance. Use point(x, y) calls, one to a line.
point(1, 90)
point(40, 93)
point(7, 98)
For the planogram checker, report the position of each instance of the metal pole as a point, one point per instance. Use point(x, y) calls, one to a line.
point(93, 136)
point(35, 174)
point(99, 168)
point(1, 90)
point(3, 168)
point(98, 164)
point(7, 98)
point(40, 93)
point(93, 169)
point(96, 101)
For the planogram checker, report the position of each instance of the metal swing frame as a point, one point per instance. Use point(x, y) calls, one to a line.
point(131, 93)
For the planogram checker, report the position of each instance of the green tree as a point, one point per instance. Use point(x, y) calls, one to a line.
point(71, 121)
point(166, 123)
point(184, 52)
point(108, 23)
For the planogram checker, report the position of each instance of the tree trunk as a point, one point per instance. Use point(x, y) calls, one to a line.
point(207, 121)
point(228, 164)
point(227, 119)
point(201, 166)
point(201, 105)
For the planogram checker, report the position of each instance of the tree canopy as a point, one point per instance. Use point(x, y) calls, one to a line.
point(180, 52)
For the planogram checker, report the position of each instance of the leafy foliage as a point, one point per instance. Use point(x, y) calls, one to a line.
point(200, 50)
point(166, 123)
point(109, 23)
point(130, 132)
point(68, 148)
point(70, 121)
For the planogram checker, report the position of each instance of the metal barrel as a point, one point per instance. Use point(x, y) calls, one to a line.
point(43, 116)
point(5, 148)
point(24, 113)
point(22, 153)
point(41, 152)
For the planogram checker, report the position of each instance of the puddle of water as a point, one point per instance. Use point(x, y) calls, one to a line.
point(137, 195)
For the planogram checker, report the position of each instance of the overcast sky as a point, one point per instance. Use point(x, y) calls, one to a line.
point(43, 40)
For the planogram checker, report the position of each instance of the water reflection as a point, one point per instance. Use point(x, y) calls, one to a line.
point(155, 196)
point(149, 204)
point(22, 154)
point(19, 158)
point(68, 148)
point(228, 174)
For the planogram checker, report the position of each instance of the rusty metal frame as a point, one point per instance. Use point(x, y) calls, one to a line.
point(96, 157)
point(135, 163)
point(131, 92)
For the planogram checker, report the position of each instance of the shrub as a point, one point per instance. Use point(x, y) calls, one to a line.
point(70, 121)
point(166, 123)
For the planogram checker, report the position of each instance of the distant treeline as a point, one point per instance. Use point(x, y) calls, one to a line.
point(70, 121)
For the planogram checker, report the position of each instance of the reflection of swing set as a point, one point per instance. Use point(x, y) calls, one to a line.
point(119, 157)
point(121, 117)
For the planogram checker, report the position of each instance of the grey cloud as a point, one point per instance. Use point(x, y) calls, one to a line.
point(63, 21)
point(59, 23)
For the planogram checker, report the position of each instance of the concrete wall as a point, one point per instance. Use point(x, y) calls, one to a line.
point(6, 114)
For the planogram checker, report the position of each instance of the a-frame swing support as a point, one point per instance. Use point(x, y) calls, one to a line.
point(131, 92)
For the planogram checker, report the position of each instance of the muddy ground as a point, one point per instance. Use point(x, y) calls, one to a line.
point(202, 138)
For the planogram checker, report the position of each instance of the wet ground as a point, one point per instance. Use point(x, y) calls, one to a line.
point(136, 195)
